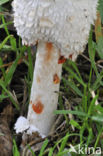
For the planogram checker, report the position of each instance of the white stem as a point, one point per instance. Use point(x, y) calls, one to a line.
point(45, 88)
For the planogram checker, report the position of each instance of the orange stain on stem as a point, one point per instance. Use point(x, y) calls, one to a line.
point(38, 107)
point(70, 56)
point(56, 79)
point(49, 48)
point(61, 60)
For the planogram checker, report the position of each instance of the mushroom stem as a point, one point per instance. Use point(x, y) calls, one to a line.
point(45, 88)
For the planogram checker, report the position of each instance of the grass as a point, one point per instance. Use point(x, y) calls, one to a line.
point(81, 93)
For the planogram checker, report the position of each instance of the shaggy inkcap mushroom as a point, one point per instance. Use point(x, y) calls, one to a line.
point(61, 29)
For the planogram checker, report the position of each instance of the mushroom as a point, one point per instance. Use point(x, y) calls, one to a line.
point(60, 28)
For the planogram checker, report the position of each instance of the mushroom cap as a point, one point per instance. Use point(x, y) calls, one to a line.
point(65, 23)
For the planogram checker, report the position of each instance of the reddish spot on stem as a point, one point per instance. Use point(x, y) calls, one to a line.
point(49, 48)
point(61, 60)
point(38, 107)
point(56, 79)
point(70, 56)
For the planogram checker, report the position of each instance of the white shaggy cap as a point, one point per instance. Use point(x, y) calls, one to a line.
point(65, 23)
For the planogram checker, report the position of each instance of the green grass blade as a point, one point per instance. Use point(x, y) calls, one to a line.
point(4, 41)
point(75, 124)
point(63, 143)
point(43, 147)
point(30, 67)
point(11, 71)
point(9, 94)
point(15, 149)
point(73, 86)
point(75, 76)
point(3, 2)
point(70, 112)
